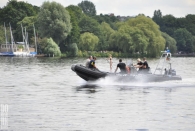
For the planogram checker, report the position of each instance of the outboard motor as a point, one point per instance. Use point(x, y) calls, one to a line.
point(172, 72)
point(133, 70)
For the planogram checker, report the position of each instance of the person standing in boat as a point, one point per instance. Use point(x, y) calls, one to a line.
point(87, 61)
point(110, 62)
point(139, 65)
point(92, 63)
point(122, 67)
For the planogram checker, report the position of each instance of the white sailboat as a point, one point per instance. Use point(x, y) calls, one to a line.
point(18, 48)
point(22, 47)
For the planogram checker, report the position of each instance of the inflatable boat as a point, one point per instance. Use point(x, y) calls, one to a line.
point(164, 73)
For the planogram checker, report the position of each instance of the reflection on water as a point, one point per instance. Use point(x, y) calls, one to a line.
point(44, 94)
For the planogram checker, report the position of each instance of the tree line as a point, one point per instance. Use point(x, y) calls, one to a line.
point(76, 30)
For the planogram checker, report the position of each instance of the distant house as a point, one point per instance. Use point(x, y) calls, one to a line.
point(124, 18)
point(121, 18)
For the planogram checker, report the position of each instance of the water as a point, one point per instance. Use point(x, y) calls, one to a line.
point(43, 94)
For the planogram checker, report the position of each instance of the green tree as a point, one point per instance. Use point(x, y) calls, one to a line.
point(113, 41)
point(169, 23)
point(2, 35)
point(74, 35)
point(111, 20)
point(15, 11)
point(42, 43)
point(88, 24)
point(106, 32)
point(170, 42)
point(149, 39)
point(185, 40)
point(88, 8)
point(54, 21)
point(27, 23)
point(73, 49)
point(191, 23)
point(77, 11)
point(52, 48)
point(157, 17)
point(88, 41)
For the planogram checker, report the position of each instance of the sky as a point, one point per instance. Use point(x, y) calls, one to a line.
point(177, 8)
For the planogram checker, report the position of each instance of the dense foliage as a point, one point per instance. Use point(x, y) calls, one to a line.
point(88, 8)
point(15, 11)
point(52, 48)
point(181, 29)
point(54, 21)
point(88, 41)
point(77, 30)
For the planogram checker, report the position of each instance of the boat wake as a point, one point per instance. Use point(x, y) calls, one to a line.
point(109, 82)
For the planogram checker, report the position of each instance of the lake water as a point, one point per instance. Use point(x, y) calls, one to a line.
point(44, 94)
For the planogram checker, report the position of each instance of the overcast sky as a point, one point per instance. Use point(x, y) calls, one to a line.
point(178, 8)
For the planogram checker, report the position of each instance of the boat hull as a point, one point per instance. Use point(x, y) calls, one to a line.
point(143, 77)
point(87, 73)
point(93, 74)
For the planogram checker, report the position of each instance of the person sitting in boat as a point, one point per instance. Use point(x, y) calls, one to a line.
point(122, 67)
point(139, 65)
point(145, 67)
point(92, 63)
point(87, 61)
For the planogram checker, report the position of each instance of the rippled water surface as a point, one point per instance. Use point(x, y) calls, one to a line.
point(44, 94)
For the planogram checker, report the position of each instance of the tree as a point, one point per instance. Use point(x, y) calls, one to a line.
point(74, 35)
point(88, 24)
point(170, 42)
point(185, 40)
point(157, 17)
point(52, 48)
point(111, 20)
point(147, 35)
point(88, 41)
point(2, 35)
point(73, 49)
point(42, 43)
point(77, 11)
point(88, 8)
point(15, 11)
point(27, 23)
point(191, 23)
point(54, 21)
point(169, 23)
point(106, 32)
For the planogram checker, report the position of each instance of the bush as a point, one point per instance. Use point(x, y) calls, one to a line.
point(73, 50)
point(52, 48)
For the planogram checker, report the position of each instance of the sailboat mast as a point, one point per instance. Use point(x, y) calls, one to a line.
point(11, 38)
point(22, 33)
point(27, 44)
point(5, 37)
point(35, 39)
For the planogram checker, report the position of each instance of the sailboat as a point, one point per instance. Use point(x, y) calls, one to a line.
point(18, 48)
